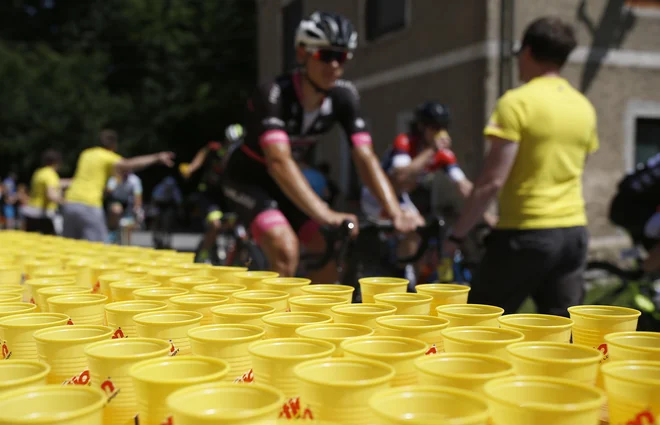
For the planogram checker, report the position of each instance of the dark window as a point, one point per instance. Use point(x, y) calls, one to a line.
point(291, 17)
point(384, 16)
point(647, 138)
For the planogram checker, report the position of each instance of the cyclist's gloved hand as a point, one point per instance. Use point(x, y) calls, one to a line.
point(443, 158)
point(335, 219)
point(407, 221)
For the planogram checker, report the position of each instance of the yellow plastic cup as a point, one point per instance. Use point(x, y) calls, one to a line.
point(34, 285)
point(18, 374)
point(316, 303)
point(444, 293)
point(633, 391)
point(225, 274)
point(230, 343)
point(361, 314)
point(418, 304)
point(164, 275)
point(52, 273)
point(83, 309)
point(11, 309)
point(480, 339)
point(159, 293)
point(119, 315)
point(10, 274)
point(424, 328)
point(226, 289)
point(233, 314)
point(344, 291)
point(16, 331)
point(200, 303)
point(400, 353)
point(632, 346)
point(106, 279)
point(428, 405)
point(334, 333)
point(370, 286)
point(98, 269)
point(169, 325)
point(154, 380)
point(139, 271)
point(52, 404)
point(190, 282)
point(470, 314)
point(127, 262)
point(273, 361)
point(63, 348)
point(555, 359)
point(251, 279)
point(539, 327)
point(225, 403)
point(291, 285)
point(123, 290)
point(109, 365)
point(543, 401)
point(12, 289)
point(284, 325)
point(339, 389)
point(10, 298)
point(31, 266)
point(44, 294)
point(593, 322)
point(464, 371)
point(276, 299)
point(83, 268)
point(195, 269)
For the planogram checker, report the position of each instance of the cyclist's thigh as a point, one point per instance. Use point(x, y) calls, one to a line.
point(305, 228)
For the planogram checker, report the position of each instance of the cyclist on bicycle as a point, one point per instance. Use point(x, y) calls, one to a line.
point(636, 208)
point(124, 205)
point(211, 159)
point(262, 180)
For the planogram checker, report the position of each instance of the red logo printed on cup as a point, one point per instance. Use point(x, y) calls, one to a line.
point(173, 349)
point(6, 354)
point(643, 418)
point(32, 300)
point(246, 378)
point(82, 379)
point(603, 349)
point(118, 334)
point(168, 421)
point(109, 388)
point(96, 288)
point(432, 350)
point(292, 410)
point(69, 322)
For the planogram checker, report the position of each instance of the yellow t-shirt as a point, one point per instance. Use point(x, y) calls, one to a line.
point(555, 126)
point(42, 179)
point(94, 168)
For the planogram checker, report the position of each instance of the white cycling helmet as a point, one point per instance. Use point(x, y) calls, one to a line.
point(234, 133)
point(326, 30)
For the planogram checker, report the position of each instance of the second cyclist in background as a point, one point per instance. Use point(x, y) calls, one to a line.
point(124, 206)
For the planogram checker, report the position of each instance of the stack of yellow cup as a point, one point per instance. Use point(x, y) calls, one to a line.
point(480, 339)
point(34, 285)
point(291, 285)
point(169, 325)
point(10, 298)
point(21, 374)
point(159, 293)
point(194, 269)
point(10, 309)
point(251, 279)
point(98, 269)
point(539, 327)
point(424, 328)
point(406, 304)
point(470, 314)
point(200, 303)
point(276, 299)
point(284, 325)
point(361, 314)
point(164, 275)
point(190, 282)
point(334, 333)
point(444, 293)
point(44, 294)
point(249, 314)
point(106, 279)
point(123, 290)
point(119, 315)
point(10, 274)
point(370, 286)
point(226, 289)
point(17, 330)
point(63, 348)
point(226, 274)
point(633, 391)
point(633, 346)
point(316, 303)
point(344, 291)
point(83, 309)
point(592, 323)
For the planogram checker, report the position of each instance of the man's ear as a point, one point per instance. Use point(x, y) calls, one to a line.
point(301, 55)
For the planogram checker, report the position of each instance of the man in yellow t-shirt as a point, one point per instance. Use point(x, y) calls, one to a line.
point(83, 208)
point(541, 135)
point(45, 195)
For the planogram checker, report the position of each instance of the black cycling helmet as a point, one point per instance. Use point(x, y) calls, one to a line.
point(432, 114)
point(326, 30)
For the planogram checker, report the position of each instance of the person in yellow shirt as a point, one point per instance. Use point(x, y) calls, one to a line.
point(82, 210)
point(541, 135)
point(45, 195)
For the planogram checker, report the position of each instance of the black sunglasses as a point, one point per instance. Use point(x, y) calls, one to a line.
point(329, 56)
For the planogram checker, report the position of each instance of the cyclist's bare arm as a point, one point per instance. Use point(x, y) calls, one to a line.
point(197, 161)
point(139, 162)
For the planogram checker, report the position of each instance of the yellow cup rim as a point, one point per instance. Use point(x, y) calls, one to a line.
point(143, 318)
point(611, 339)
point(10, 298)
point(155, 289)
point(257, 330)
point(442, 323)
point(113, 275)
point(319, 289)
point(91, 348)
point(414, 299)
point(256, 274)
point(303, 331)
point(116, 307)
point(596, 356)
point(134, 284)
point(275, 295)
point(271, 319)
point(578, 310)
point(505, 320)
point(384, 309)
point(105, 266)
point(229, 269)
point(393, 281)
point(333, 300)
point(462, 394)
point(390, 372)
point(422, 347)
point(45, 370)
point(70, 299)
point(223, 370)
point(494, 313)
point(206, 288)
point(62, 416)
point(191, 266)
point(11, 289)
point(235, 415)
point(614, 370)
point(266, 309)
point(328, 347)
point(6, 321)
point(167, 273)
point(49, 281)
point(289, 282)
point(27, 307)
point(491, 393)
point(188, 299)
point(42, 334)
point(421, 363)
point(449, 334)
point(9, 267)
point(445, 288)
point(53, 290)
point(206, 280)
